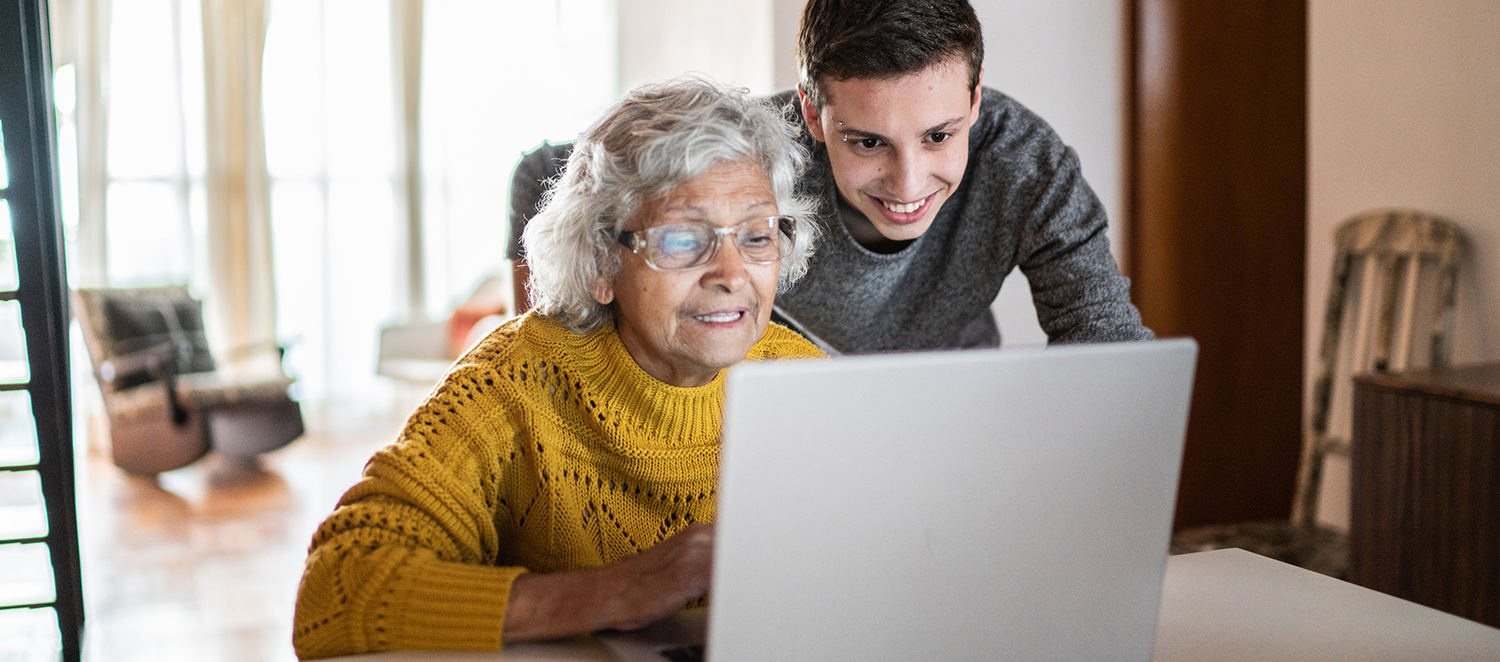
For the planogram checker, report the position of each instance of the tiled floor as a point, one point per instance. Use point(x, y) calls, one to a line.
point(203, 563)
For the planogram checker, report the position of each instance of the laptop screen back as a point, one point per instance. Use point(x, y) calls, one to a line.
point(967, 505)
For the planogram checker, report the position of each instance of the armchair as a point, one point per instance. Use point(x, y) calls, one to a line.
point(168, 400)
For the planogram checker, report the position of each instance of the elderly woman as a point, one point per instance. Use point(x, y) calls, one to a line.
point(562, 477)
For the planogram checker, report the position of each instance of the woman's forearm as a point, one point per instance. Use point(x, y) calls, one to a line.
point(557, 605)
point(631, 593)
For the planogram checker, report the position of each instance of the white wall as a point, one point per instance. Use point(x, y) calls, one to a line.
point(1065, 60)
point(1404, 111)
point(785, 16)
point(730, 41)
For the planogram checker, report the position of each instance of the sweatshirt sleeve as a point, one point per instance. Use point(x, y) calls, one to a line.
point(408, 559)
point(1076, 286)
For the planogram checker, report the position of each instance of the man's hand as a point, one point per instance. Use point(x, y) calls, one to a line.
point(631, 593)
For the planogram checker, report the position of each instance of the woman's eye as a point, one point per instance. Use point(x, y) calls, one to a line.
point(680, 243)
point(939, 136)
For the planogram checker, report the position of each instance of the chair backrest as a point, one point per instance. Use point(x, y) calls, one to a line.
point(1390, 306)
point(119, 323)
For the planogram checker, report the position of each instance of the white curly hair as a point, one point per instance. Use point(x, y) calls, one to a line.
point(659, 136)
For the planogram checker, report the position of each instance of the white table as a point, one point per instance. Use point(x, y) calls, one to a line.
point(1225, 606)
point(1231, 606)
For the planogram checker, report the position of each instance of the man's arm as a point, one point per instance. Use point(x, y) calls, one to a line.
point(1064, 249)
point(1076, 285)
point(1029, 189)
point(528, 184)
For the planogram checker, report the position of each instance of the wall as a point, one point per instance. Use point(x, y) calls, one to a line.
point(729, 40)
point(1065, 61)
point(1402, 112)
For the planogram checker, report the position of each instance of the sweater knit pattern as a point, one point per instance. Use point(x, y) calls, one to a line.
point(542, 450)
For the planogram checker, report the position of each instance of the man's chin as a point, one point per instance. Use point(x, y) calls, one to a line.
point(892, 232)
point(905, 232)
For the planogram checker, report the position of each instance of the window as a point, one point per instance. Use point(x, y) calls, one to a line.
point(497, 78)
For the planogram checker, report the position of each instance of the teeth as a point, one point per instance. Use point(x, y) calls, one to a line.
point(906, 208)
point(718, 317)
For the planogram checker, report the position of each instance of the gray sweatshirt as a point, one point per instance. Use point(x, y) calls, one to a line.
point(1022, 201)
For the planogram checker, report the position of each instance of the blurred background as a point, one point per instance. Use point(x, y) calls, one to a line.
point(318, 171)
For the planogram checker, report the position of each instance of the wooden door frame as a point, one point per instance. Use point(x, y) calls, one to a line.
point(1216, 187)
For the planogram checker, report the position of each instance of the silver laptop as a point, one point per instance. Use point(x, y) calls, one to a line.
point(1010, 505)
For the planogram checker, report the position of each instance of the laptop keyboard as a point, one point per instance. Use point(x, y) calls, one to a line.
point(693, 653)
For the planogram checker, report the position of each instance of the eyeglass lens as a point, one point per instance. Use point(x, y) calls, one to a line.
point(687, 245)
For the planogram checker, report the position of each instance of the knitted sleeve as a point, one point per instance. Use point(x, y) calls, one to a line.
point(407, 559)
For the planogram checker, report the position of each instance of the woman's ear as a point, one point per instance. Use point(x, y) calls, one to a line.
point(603, 291)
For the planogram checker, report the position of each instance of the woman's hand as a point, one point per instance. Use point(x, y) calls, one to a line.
point(631, 593)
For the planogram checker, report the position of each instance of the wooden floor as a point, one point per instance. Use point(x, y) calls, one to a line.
point(203, 563)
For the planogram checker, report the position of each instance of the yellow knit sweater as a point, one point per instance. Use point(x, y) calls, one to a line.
point(542, 450)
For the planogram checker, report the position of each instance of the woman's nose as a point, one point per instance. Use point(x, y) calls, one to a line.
point(727, 268)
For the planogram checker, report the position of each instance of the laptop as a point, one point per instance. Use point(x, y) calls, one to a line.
point(995, 504)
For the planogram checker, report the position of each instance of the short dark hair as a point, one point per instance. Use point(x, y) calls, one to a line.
point(843, 39)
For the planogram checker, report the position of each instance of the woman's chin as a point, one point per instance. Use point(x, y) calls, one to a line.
point(719, 348)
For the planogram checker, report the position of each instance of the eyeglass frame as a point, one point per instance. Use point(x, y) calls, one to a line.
point(635, 241)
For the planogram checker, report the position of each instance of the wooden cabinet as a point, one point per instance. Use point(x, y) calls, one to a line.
point(1425, 493)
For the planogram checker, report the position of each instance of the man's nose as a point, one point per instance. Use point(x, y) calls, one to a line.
point(908, 175)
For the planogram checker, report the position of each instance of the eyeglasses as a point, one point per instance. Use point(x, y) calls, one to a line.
point(686, 245)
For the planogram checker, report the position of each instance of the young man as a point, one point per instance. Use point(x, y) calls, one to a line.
point(933, 189)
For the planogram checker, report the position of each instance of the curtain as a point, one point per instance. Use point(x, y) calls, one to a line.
point(80, 30)
point(239, 230)
point(168, 183)
point(406, 69)
point(497, 80)
point(333, 144)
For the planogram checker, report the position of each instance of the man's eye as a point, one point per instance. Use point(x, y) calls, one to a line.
point(939, 136)
point(869, 143)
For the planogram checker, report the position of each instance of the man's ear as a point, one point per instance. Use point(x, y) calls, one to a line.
point(974, 104)
point(603, 291)
point(810, 115)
